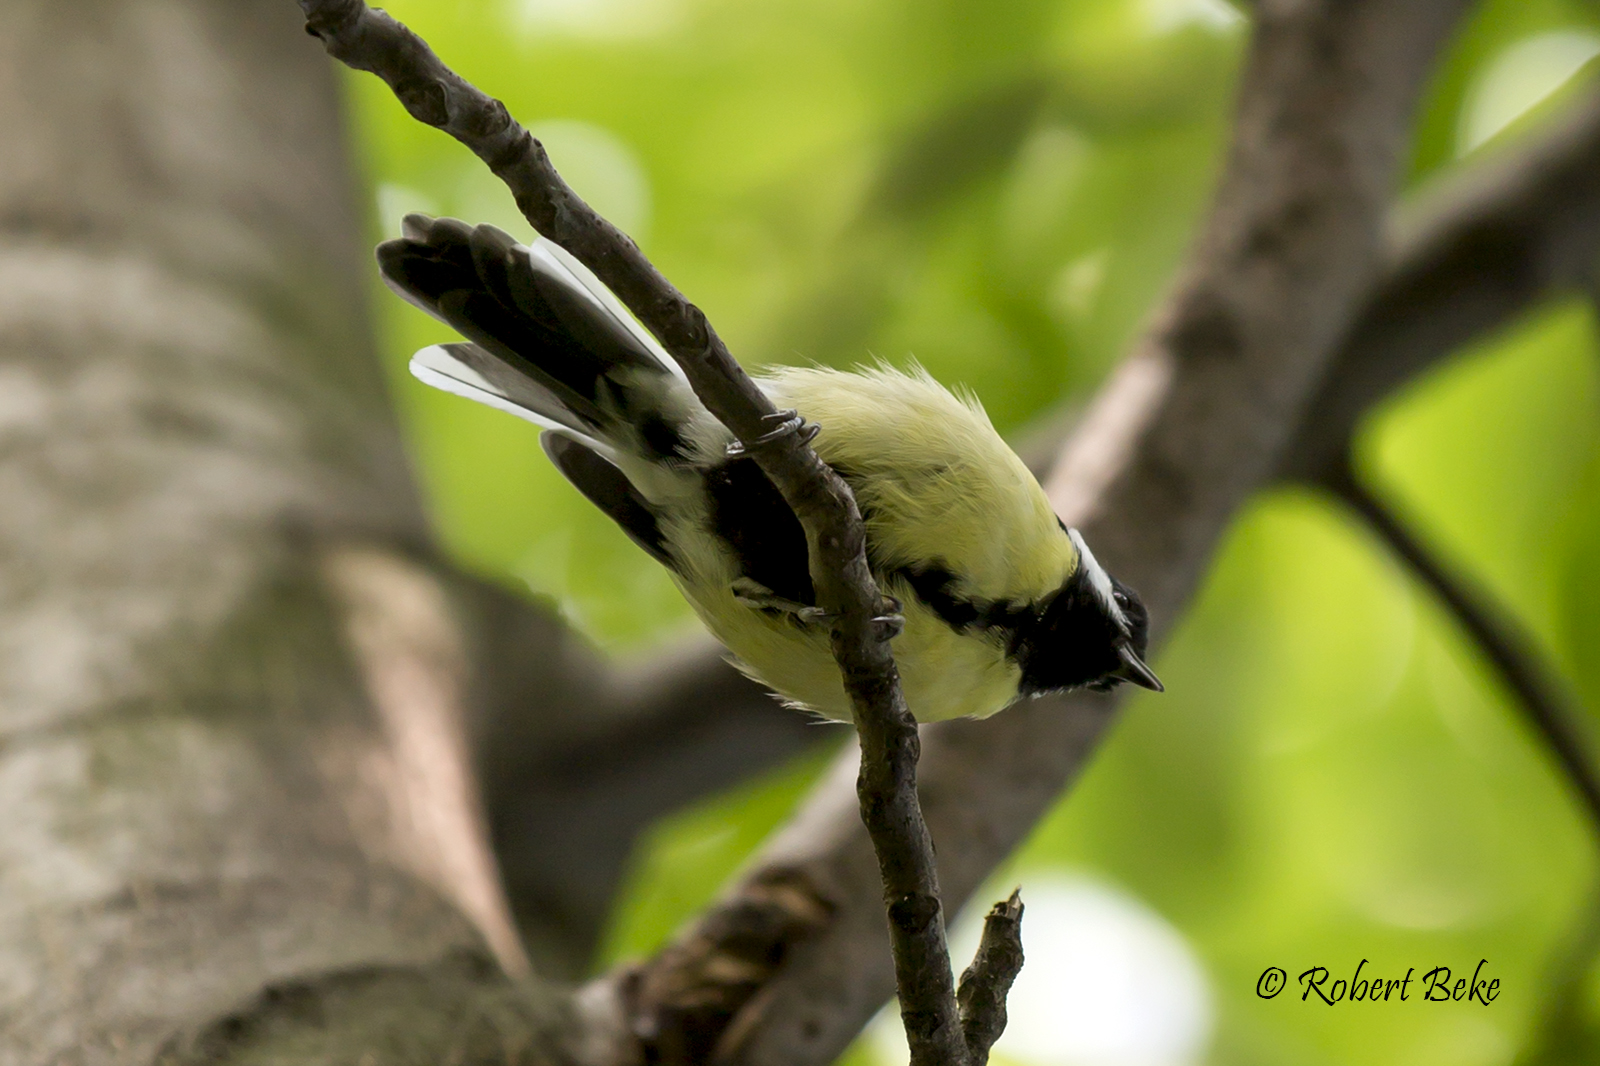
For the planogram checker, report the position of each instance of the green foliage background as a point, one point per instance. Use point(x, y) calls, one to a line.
point(1002, 191)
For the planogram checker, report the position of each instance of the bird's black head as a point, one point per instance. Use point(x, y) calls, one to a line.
point(1093, 632)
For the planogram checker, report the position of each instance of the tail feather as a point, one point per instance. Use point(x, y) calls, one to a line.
point(464, 369)
point(560, 261)
point(549, 342)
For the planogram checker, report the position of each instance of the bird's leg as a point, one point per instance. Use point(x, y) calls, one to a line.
point(889, 621)
point(755, 595)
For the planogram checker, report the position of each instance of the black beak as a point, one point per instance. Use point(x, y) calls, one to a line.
point(1133, 669)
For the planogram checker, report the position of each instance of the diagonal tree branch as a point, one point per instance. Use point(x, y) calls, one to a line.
point(1467, 254)
point(1465, 257)
point(1480, 248)
point(984, 784)
point(1510, 651)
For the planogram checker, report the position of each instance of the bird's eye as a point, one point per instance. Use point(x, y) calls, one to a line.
point(1121, 597)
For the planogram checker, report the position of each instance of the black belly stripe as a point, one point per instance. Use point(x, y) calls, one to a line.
point(750, 516)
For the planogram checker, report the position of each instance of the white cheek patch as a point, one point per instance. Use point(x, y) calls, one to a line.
point(1099, 580)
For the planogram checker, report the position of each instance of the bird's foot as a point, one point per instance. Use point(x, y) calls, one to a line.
point(758, 597)
point(889, 626)
point(784, 423)
point(889, 622)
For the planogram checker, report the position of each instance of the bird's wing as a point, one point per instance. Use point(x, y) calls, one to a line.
point(750, 515)
point(559, 259)
point(609, 489)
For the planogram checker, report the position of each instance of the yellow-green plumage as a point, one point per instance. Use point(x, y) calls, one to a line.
point(936, 483)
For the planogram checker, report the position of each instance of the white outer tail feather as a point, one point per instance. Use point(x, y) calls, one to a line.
point(435, 366)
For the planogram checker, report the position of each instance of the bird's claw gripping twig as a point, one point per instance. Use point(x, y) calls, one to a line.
point(787, 422)
point(888, 622)
point(888, 626)
point(757, 596)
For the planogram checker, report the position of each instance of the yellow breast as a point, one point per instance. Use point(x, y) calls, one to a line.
point(938, 488)
point(943, 674)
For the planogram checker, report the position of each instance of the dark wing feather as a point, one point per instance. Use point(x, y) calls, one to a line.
point(610, 490)
point(751, 517)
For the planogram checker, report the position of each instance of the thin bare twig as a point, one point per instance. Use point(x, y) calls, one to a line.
point(1510, 651)
point(371, 40)
point(988, 980)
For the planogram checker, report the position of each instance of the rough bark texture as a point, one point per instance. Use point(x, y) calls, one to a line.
point(200, 794)
point(237, 696)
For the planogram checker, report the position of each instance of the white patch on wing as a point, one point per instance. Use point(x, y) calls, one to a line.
point(1099, 580)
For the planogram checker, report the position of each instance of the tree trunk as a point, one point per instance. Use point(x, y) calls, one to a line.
point(231, 745)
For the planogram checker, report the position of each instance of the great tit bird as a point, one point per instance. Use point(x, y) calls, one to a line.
point(1000, 600)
